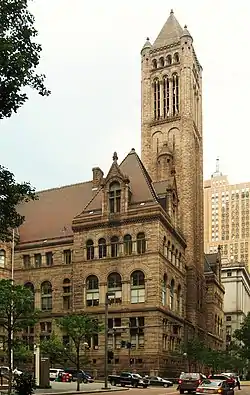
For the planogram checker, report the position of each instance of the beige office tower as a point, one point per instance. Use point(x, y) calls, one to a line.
point(226, 217)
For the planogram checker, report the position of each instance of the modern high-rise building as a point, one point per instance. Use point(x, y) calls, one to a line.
point(226, 217)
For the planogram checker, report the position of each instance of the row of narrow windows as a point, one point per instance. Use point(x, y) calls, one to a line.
point(162, 62)
point(166, 96)
point(116, 246)
point(172, 253)
point(114, 286)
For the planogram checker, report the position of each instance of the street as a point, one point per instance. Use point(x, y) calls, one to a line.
point(97, 386)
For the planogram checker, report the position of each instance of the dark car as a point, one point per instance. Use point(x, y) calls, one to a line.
point(159, 382)
point(127, 378)
point(83, 376)
point(190, 381)
point(214, 387)
point(223, 377)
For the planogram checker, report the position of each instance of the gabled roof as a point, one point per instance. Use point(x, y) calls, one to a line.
point(207, 267)
point(170, 33)
point(51, 216)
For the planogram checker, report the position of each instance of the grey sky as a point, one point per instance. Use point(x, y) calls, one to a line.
point(91, 56)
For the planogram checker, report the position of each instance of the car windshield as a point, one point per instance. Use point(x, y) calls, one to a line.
point(190, 376)
point(210, 383)
point(136, 375)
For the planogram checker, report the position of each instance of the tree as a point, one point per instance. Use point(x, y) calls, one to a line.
point(16, 313)
point(11, 195)
point(242, 336)
point(54, 349)
point(78, 329)
point(20, 55)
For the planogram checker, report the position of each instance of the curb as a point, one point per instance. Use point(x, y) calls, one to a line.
point(83, 392)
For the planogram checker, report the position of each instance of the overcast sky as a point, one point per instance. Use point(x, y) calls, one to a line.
point(91, 56)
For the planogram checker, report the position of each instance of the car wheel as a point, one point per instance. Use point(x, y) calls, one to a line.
point(85, 381)
point(145, 386)
point(113, 383)
point(165, 385)
point(135, 385)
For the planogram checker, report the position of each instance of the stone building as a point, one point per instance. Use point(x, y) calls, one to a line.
point(138, 232)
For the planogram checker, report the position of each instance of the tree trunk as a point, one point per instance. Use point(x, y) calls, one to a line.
point(78, 367)
point(9, 359)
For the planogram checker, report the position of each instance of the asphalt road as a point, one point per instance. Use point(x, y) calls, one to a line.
point(95, 387)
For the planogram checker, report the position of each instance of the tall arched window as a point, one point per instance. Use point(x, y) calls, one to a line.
point(2, 258)
point(161, 62)
point(92, 291)
point(115, 198)
point(165, 96)
point(115, 286)
point(178, 299)
point(141, 243)
point(169, 60)
point(157, 99)
point(171, 295)
point(127, 244)
point(67, 295)
point(154, 64)
point(102, 248)
point(114, 246)
point(169, 251)
point(90, 249)
point(137, 287)
point(176, 58)
point(30, 286)
point(175, 100)
point(164, 290)
point(46, 296)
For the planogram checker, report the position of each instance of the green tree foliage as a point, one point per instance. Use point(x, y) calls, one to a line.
point(16, 312)
point(25, 384)
point(78, 329)
point(54, 349)
point(242, 337)
point(11, 195)
point(20, 55)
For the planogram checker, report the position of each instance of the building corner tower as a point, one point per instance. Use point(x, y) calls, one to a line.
point(171, 116)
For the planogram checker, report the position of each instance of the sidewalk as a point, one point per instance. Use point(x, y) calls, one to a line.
point(244, 383)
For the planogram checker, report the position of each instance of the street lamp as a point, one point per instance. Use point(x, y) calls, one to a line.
point(106, 338)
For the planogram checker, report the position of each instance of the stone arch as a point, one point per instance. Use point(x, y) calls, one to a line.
point(157, 140)
point(173, 138)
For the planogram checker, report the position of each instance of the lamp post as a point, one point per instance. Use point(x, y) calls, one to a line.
point(106, 339)
point(12, 282)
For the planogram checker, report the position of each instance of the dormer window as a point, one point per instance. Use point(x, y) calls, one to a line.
point(115, 198)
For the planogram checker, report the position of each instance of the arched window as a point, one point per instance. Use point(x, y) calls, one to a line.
point(46, 296)
point(67, 296)
point(166, 96)
point(127, 244)
point(161, 62)
point(115, 198)
point(175, 100)
point(115, 286)
point(171, 295)
point(169, 251)
point(154, 64)
point(92, 292)
point(2, 258)
point(164, 246)
point(179, 299)
point(164, 290)
point(169, 60)
point(102, 248)
point(176, 58)
point(172, 254)
point(137, 287)
point(141, 243)
point(157, 99)
point(31, 287)
point(90, 249)
point(114, 246)
point(176, 258)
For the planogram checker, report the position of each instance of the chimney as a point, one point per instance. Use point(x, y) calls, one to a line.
point(97, 177)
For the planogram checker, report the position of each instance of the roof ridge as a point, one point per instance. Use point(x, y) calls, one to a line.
point(144, 171)
point(64, 186)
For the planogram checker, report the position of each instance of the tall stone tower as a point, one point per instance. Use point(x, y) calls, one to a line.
point(171, 116)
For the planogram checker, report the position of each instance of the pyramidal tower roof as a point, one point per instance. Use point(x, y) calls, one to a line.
point(171, 32)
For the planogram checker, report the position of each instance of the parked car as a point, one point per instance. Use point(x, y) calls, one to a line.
point(159, 382)
point(4, 370)
point(214, 387)
point(190, 381)
point(223, 377)
point(54, 373)
point(83, 376)
point(133, 379)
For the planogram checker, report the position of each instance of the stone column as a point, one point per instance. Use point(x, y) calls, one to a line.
point(102, 292)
